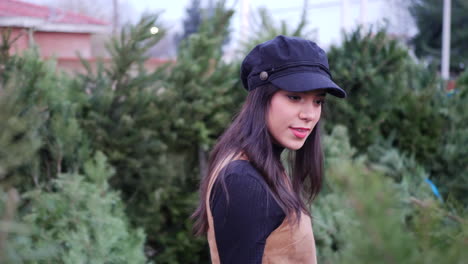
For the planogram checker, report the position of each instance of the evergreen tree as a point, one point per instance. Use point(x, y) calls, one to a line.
point(202, 87)
point(144, 122)
point(386, 91)
point(450, 167)
point(193, 20)
point(156, 128)
point(191, 23)
point(19, 143)
point(16, 236)
point(84, 219)
point(428, 15)
point(365, 216)
point(122, 118)
point(19, 146)
point(32, 87)
point(26, 87)
point(201, 94)
point(392, 97)
point(265, 27)
point(45, 204)
point(195, 17)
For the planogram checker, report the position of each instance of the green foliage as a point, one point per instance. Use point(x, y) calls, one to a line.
point(428, 16)
point(265, 27)
point(156, 128)
point(362, 65)
point(200, 95)
point(84, 219)
point(201, 90)
point(144, 122)
point(370, 67)
point(192, 21)
point(462, 81)
point(42, 138)
point(450, 167)
point(25, 85)
point(40, 106)
point(18, 141)
point(392, 98)
point(366, 217)
point(15, 236)
point(121, 117)
point(80, 221)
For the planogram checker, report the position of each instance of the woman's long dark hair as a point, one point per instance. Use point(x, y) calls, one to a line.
point(248, 135)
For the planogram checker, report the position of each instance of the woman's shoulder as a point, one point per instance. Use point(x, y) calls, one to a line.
point(243, 183)
point(241, 170)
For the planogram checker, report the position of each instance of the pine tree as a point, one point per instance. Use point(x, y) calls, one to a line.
point(201, 94)
point(202, 87)
point(265, 27)
point(394, 98)
point(389, 95)
point(450, 168)
point(428, 15)
point(195, 17)
point(32, 87)
point(193, 20)
point(142, 120)
point(122, 118)
point(26, 86)
point(83, 219)
point(43, 151)
point(366, 215)
point(20, 124)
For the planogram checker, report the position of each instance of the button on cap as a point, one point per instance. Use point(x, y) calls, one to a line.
point(263, 75)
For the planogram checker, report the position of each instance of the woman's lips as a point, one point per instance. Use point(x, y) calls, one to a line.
point(300, 132)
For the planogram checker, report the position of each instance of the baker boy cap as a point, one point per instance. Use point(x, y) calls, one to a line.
point(290, 63)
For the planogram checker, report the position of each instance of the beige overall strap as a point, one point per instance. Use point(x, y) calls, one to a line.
point(211, 233)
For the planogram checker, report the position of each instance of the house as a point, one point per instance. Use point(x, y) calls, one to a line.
point(58, 34)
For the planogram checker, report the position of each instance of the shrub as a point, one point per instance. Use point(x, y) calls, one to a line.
point(84, 219)
point(366, 216)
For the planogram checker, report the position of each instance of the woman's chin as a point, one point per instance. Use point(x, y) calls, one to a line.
point(293, 145)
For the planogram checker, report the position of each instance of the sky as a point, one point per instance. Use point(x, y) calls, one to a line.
point(324, 16)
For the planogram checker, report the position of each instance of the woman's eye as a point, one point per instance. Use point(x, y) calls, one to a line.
point(320, 102)
point(294, 97)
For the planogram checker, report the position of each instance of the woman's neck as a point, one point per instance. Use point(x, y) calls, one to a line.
point(277, 150)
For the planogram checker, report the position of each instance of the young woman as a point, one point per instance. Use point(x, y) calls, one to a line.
point(251, 208)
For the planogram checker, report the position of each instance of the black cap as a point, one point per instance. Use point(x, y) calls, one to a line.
point(290, 63)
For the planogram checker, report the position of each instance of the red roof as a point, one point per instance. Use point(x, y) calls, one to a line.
point(12, 8)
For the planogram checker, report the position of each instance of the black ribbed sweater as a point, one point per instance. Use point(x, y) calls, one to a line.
point(246, 216)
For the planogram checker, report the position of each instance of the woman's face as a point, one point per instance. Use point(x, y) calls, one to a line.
point(293, 115)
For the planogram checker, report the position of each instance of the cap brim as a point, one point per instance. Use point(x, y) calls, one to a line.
point(308, 81)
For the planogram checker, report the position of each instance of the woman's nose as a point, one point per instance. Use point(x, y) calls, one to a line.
point(310, 112)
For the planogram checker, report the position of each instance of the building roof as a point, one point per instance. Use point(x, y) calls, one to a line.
point(21, 14)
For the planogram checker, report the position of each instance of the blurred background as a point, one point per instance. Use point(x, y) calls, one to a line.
point(109, 110)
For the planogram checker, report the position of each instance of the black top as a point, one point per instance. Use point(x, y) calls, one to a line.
point(243, 223)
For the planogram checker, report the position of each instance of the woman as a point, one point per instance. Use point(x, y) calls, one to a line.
point(252, 210)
